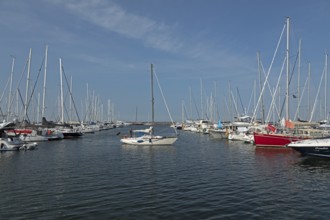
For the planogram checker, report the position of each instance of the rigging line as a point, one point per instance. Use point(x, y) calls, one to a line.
point(239, 96)
point(196, 107)
point(299, 102)
point(250, 100)
point(74, 104)
point(185, 111)
point(19, 82)
point(168, 111)
point(5, 88)
point(317, 94)
point(284, 101)
point(2, 97)
point(263, 87)
point(35, 84)
point(273, 93)
point(233, 100)
point(2, 114)
point(21, 98)
point(227, 106)
point(65, 109)
point(88, 112)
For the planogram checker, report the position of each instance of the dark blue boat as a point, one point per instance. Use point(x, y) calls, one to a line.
point(319, 147)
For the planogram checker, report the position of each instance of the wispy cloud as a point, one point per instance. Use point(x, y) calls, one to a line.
point(155, 34)
point(112, 17)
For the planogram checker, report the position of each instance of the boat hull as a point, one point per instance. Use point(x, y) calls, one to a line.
point(33, 138)
point(220, 134)
point(275, 140)
point(314, 151)
point(313, 147)
point(68, 135)
point(149, 141)
point(6, 145)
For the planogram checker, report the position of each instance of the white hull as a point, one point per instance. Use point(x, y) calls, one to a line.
point(33, 138)
point(217, 133)
point(13, 144)
point(10, 145)
point(312, 147)
point(311, 143)
point(241, 137)
point(149, 140)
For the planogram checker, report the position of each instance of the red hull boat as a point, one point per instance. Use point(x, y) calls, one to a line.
point(275, 140)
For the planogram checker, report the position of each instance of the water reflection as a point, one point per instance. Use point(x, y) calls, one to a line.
point(314, 162)
point(275, 152)
point(6, 154)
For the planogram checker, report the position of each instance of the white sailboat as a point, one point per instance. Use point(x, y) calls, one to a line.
point(67, 131)
point(147, 137)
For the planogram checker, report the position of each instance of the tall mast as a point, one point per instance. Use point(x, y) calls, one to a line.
point(38, 108)
point(87, 104)
point(62, 101)
point(202, 109)
point(152, 95)
point(70, 103)
point(182, 112)
point(10, 88)
point(299, 64)
point(136, 113)
point(109, 110)
point(260, 89)
point(44, 89)
point(287, 68)
point(27, 84)
point(309, 88)
point(190, 104)
point(325, 87)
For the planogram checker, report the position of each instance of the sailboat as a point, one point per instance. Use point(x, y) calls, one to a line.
point(147, 136)
point(292, 131)
point(262, 139)
point(68, 131)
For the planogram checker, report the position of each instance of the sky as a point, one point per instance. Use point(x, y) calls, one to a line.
point(204, 54)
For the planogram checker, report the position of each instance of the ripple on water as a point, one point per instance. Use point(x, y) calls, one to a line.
point(196, 178)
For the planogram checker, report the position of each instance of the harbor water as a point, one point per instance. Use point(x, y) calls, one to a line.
point(97, 177)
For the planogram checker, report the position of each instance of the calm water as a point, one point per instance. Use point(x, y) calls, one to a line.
point(96, 177)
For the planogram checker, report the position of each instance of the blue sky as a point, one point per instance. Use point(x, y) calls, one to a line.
point(110, 44)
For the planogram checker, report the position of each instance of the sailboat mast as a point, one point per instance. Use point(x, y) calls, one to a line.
point(27, 84)
point(182, 112)
point(299, 65)
point(309, 88)
point(260, 88)
point(190, 104)
point(136, 113)
point(325, 87)
point(152, 95)
point(70, 103)
point(10, 88)
point(44, 89)
point(62, 101)
point(202, 109)
point(287, 67)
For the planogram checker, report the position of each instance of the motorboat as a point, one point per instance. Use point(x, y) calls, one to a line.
point(319, 147)
point(9, 144)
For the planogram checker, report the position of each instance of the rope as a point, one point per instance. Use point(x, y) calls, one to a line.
point(168, 111)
